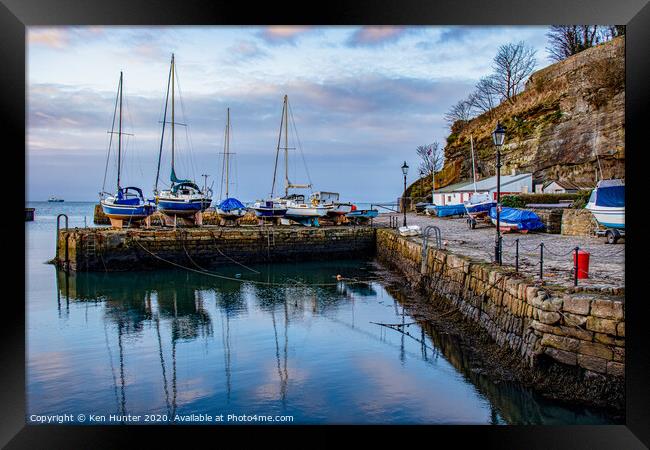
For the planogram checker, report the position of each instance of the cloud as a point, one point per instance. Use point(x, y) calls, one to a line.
point(245, 51)
point(376, 35)
point(283, 34)
point(49, 37)
point(62, 37)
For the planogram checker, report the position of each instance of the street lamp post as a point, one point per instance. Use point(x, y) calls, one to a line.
point(498, 136)
point(405, 170)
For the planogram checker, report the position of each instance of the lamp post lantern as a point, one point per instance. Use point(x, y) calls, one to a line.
point(405, 170)
point(498, 136)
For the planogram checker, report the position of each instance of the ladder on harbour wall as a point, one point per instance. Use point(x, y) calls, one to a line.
point(90, 248)
point(57, 257)
point(425, 244)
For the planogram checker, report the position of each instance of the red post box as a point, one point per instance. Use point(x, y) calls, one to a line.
point(583, 264)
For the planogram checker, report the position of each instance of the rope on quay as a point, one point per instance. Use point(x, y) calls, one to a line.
point(265, 283)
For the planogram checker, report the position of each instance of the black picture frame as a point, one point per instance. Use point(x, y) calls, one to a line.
point(16, 15)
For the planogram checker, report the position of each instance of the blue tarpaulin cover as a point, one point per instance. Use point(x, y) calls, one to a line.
point(525, 220)
point(449, 210)
point(231, 204)
point(612, 196)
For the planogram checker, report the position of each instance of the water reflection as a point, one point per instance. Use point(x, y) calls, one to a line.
point(183, 342)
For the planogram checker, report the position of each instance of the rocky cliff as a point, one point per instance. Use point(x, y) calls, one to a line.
point(568, 113)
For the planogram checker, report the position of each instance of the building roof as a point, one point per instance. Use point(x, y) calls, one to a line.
point(453, 187)
point(569, 185)
point(489, 184)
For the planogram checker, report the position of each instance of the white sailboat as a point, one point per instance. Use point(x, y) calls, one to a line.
point(479, 203)
point(295, 206)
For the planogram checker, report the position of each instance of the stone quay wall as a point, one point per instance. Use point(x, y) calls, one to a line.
point(551, 217)
point(566, 326)
point(578, 222)
point(99, 249)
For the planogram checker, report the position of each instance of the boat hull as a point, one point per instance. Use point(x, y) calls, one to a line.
point(362, 214)
point(181, 206)
point(340, 209)
point(233, 214)
point(269, 211)
point(306, 212)
point(609, 217)
point(127, 212)
point(479, 207)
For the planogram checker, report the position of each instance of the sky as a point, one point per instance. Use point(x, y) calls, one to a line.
point(362, 99)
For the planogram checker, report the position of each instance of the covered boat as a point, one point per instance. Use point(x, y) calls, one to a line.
point(607, 203)
point(230, 208)
point(517, 219)
point(447, 210)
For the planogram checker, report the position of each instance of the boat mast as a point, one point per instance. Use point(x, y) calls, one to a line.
point(471, 141)
point(173, 70)
point(286, 148)
point(277, 153)
point(162, 137)
point(227, 149)
point(119, 139)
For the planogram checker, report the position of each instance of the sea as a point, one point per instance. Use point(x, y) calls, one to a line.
point(271, 344)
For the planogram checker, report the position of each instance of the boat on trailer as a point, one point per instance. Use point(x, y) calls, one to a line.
point(607, 204)
point(479, 204)
point(184, 198)
point(127, 204)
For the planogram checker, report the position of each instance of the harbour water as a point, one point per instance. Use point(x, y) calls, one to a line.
point(284, 340)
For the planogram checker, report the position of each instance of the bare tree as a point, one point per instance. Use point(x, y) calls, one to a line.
point(431, 156)
point(486, 95)
point(461, 111)
point(512, 65)
point(567, 40)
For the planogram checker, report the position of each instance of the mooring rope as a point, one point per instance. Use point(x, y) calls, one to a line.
point(266, 283)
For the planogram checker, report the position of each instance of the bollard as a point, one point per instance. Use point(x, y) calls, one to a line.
point(575, 267)
point(517, 255)
point(541, 261)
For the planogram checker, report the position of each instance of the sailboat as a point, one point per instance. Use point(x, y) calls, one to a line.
point(296, 208)
point(128, 203)
point(230, 208)
point(184, 198)
point(479, 203)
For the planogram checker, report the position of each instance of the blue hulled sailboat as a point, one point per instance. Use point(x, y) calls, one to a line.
point(127, 204)
point(184, 198)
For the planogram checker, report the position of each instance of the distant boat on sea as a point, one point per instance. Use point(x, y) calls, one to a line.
point(128, 203)
point(54, 200)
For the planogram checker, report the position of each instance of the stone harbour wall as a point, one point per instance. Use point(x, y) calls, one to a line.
point(551, 217)
point(578, 222)
point(578, 329)
point(116, 250)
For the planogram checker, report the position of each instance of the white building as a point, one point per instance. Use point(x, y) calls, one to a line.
point(460, 192)
point(562, 187)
